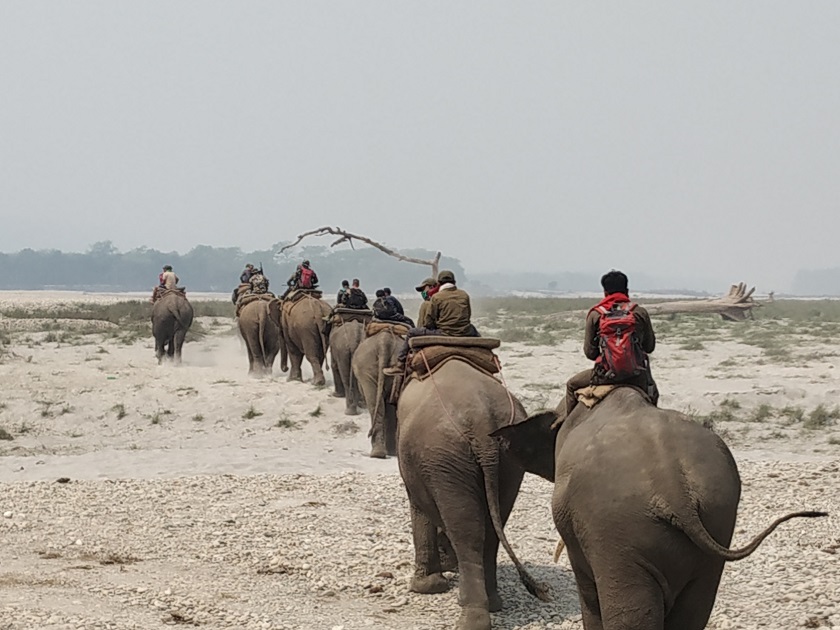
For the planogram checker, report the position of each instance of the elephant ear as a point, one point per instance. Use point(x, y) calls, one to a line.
point(532, 442)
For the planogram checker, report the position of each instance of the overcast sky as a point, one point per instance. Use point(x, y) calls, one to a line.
point(686, 140)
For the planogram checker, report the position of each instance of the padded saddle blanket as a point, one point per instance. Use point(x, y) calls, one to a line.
point(593, 394)
point(249, 298)
point(342, 315)
point(179, 291)
point(377, 326)
point(298, 297)
point(429, 354)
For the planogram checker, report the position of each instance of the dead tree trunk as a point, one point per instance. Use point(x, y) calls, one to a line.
point(347, 237)
point(735, 306)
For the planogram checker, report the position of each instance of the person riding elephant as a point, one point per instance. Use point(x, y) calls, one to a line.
point(304, 277)
point(355, 297)
point(645, 500)
point(460, 480)
point(449, 314)
point(384, 310)
point(393, 301)
point(345, 287)
point(167, 281)
point(618, 337)
point(250, 270)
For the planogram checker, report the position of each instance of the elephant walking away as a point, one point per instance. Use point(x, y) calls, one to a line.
point(347, 332)
point(172, 316)
point(303, 324)
point(373, 355)
point(459, 478)
point(645, 500)
point(259, 327)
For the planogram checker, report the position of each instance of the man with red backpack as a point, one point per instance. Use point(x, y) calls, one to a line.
point(304, 277)
point(618, 337)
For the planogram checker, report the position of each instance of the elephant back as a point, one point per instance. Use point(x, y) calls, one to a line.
point(395, 328)
point(430, 353)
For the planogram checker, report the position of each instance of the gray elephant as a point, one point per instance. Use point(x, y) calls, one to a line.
point(302, 323)
point(645, 500)
point(458, 478)
point(259, 326)
point(372, 356)
point(345, 339)
point(172, 316)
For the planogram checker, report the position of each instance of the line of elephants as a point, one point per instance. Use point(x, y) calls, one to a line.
point(645, 499)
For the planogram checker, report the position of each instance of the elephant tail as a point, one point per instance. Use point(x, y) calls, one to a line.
point(701, 537)
point(262, 317)
point(488, 459)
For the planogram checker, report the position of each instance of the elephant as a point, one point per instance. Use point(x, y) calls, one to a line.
point(259, 326)
point(172, 316)
point(302, 323)
point(344, 341)
point(460, 479)
point(645, 500)
point(372, 356)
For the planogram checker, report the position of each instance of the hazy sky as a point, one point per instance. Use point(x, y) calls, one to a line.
point(681, 139)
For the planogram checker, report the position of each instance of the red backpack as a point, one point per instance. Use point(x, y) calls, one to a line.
point(306, 278)
point(621, 353)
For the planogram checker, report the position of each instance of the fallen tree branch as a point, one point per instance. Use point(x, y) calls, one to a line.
point(735, 306)
point(348, 237)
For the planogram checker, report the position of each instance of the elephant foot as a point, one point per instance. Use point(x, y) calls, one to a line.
point(338, 394)
point(351, 411)
point(474, 619)
point(320, 384)
point(429, 584)
point(495, 602)
point(291, 378)
point(377, 451)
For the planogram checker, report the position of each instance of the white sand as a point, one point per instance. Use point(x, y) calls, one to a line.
point(59, 402)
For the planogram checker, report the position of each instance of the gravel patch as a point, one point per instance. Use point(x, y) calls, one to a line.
point(300, 551)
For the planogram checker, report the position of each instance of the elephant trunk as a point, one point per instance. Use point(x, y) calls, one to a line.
point(488, 459)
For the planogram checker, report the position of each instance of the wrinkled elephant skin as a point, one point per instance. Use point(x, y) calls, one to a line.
point(344, 341)
point(372, 356)
point(172, 317)
point(645, 500)
point(303, 332)
point(259, 327)
point(461, 480)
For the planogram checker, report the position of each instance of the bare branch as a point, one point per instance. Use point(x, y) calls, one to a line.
point(735, 306)
point(348, 237)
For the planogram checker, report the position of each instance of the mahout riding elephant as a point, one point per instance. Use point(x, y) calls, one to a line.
point(645, 500)
point(344, 341)
point(373, 355)
point(460, 479)
point(259, 327)
point(303, 323)
point(172, 316)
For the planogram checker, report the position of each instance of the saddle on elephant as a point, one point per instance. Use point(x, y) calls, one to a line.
point(428, 354)
point(299, 296)
point(341, 315)
point(395, 328)
point(593, 394)
point(248, 298)
point(159, 292)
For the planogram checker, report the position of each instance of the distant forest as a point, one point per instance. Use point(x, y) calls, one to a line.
point(104, 268)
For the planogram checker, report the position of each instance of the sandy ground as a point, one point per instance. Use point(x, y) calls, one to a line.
point(222, 501)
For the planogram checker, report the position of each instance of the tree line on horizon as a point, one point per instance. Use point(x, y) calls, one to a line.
point(216, 269)
point(205, 268)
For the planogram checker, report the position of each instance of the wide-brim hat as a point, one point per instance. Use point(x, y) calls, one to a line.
point(428, 282)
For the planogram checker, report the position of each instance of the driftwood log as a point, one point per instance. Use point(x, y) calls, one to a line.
point(347, 237)
point(735, 306)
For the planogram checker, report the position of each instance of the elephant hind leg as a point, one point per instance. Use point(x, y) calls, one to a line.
point(428, 577)
point(693, 606)
point(632, 601)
